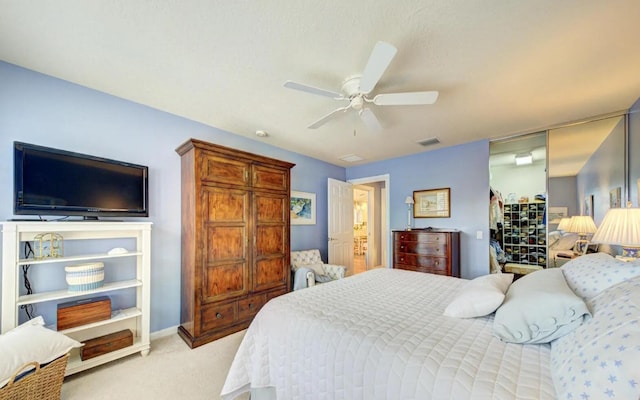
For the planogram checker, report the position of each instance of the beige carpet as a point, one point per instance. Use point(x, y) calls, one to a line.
point(170, 371)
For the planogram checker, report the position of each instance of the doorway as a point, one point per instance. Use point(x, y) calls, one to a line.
point(371, 233)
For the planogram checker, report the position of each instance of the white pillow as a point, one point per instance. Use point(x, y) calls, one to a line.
point(479, 297)
point(28, 342)
point(538, 308)
point(318, 269)
point(590, 274)
point(566, 242)
point(601, 359)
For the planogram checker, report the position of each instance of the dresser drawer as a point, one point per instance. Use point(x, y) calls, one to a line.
point(424, 248)
point(217, 316)
point(248, 307)
point(422, 269)
point(419, 261)
point(425, 237)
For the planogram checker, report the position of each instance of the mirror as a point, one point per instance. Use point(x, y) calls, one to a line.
point(586, 177)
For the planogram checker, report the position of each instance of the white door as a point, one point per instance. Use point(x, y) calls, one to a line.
point(340, 213)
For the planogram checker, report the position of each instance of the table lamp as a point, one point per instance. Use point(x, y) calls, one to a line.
point(621, 226)
point(408, 201)
point(564, 224)
point(583, 225)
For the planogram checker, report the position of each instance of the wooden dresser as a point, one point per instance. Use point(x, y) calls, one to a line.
point(235, 238)
point(427, 250)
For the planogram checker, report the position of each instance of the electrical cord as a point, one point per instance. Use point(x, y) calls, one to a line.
point(28, 253)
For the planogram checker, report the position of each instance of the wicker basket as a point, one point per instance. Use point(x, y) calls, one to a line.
point(42, 384)
point(83, 277)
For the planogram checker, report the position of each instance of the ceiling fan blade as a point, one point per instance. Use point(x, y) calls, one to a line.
point(379, 60)
point(405, 99)
point(370, 120)
point(327, 117)
point(312, 90)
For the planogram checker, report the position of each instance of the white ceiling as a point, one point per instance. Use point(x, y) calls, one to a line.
point(501, 67)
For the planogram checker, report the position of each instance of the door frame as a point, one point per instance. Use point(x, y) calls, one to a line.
point(384, 233)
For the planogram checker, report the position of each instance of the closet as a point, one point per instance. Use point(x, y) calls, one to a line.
point(235, 238)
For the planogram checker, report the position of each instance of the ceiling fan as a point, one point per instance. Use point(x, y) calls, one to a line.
point(356, 89)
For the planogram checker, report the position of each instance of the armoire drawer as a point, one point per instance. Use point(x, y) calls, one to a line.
point(217, 316)
point(250, 306)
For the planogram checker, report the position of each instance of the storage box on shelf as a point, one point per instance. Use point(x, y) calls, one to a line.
point(525, 233)
point(134, 318)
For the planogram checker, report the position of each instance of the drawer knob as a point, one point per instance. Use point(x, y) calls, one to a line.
point(251, 305)
point(218, 315)
point(402, 247)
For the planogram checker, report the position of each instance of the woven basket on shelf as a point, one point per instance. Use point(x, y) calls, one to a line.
point(42, 384)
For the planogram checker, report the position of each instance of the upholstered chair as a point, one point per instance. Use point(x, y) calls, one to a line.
point(309, 269)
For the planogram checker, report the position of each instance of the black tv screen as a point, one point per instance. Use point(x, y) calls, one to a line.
point(49, 181)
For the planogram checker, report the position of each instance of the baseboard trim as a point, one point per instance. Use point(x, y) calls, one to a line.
point(172, 330)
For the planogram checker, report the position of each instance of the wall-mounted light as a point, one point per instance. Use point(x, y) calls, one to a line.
point(409, 202)
point(524, 159)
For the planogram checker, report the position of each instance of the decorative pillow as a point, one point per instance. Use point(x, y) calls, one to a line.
point(28, 342)
point(566, 242)
point(554, 236)
point(590, 274)
point(479, 297)
point(601, 359)
point(317, 269)
point(538, 308)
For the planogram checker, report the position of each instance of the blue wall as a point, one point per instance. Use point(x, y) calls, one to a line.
point(603, 172)
point(38, 109)
point(464, 169)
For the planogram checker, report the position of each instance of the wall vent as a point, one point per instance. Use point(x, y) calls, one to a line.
point(429, 142)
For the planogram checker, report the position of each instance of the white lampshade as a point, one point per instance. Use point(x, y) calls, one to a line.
point(582, 225)
point(408, 200)
point(620, 226)
point(564, 224)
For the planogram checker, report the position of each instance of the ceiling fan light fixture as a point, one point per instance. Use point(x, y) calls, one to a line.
point(524, 159)
point(261, 133)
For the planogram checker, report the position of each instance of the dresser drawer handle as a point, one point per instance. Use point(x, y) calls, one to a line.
point(218, 315)
point(402, 247)
point(401, 258)
point(251, 305)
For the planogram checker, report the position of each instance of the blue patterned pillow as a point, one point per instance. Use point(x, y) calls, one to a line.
point(590, 274)
point(601, 359)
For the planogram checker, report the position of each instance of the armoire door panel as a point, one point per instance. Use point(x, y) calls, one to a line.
point(225, 170)
point(269, 273)
point(269, 240)
point(223, 281)
point(270, 209)
point(225, 243)
point(225, 205)
point(270, 178)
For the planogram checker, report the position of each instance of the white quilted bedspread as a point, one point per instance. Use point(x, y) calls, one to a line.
point(381, 335)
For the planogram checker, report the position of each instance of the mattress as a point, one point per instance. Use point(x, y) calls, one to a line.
point(381, 335)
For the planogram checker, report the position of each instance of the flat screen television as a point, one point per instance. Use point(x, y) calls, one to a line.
point(49, 181)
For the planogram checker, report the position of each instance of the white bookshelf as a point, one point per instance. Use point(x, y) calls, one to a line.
point(135, 318)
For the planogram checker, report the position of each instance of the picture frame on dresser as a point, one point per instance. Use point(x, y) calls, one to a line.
point(432, 203)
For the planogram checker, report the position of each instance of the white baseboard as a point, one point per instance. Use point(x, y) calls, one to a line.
point(172, 330)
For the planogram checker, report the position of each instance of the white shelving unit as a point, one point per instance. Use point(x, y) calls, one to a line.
point(136, 318)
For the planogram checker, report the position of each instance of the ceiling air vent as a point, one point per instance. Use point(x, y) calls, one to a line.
point(351, 158)
point(429, 142)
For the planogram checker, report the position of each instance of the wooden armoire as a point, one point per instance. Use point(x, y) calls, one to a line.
point(235, 238)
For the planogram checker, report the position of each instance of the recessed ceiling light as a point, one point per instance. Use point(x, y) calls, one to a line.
point(351, 158)
point(262, 134)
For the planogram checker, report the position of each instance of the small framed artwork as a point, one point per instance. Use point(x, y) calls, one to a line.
point(557, 213)
point(614, 197)
point(303, 208)
point(588, 205)
point(432, 203)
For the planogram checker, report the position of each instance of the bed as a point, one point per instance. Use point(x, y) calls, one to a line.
point(382, 335)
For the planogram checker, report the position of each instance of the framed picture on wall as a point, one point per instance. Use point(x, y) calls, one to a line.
point(588, 205)
point(432, 203)
point(614, 197)
point(557, 213)
point(303, 208)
